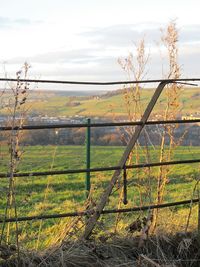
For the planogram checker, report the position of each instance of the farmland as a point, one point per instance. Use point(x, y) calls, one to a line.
point(107, 105)
point(66, 193)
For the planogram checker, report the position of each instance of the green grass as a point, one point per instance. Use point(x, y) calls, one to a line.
point(66, 193)
point(106, 107)
point(57, 105)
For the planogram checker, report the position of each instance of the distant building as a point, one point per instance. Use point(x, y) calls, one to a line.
point(191, 117)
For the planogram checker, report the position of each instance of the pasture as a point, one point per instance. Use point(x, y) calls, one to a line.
point(66, 193)
point(55, 103)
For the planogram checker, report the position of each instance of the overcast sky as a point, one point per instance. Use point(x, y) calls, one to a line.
point(83, 39)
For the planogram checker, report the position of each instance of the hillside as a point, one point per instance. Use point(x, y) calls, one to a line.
point(89, 103)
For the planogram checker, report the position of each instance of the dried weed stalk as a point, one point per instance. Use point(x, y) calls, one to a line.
point(16, 110)
point(168, 143)
point(135, 68)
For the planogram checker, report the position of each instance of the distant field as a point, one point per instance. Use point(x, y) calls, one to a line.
point(57, 104)
point(66, 193)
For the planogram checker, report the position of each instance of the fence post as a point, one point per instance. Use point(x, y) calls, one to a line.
point(87, 178)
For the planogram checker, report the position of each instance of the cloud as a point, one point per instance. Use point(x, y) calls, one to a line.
point(125, 35)
point(190, 33)
point(128, 34)
point(6, 22)
point(111, 42)
point(76, 56)
point(98, 61)
point(87, 64)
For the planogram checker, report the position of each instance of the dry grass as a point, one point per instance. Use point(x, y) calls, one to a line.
point(179, 250)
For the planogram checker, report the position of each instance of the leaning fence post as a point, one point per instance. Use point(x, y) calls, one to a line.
point(87, 177)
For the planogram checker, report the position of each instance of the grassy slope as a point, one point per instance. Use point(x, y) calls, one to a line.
point(114, 104)
point(104, 107)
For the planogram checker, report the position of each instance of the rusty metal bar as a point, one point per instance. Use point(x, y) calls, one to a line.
point(182, 81)
point(89, 212)
point(113, 168)
point(104, 198)
point(125, 200)
point(100, 124)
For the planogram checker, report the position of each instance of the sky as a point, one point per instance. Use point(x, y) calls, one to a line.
point(83, 39)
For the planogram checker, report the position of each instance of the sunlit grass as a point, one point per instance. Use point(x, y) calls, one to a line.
point(66, 193)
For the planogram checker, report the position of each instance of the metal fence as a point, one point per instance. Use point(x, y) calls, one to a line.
point(119, 167)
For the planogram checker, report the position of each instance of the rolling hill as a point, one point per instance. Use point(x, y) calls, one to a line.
point(92, 103)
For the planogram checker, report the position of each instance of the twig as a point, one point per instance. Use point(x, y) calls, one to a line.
point(148, 260)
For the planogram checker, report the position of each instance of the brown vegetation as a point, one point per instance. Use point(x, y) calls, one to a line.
point(181, 250)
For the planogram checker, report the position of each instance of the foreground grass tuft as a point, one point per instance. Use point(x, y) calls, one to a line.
point(181, 249)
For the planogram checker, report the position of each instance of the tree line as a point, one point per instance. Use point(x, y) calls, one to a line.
point(104, 136)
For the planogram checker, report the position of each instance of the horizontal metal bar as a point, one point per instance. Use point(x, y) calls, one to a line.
point(98, 83)
point(101, 124)
point(90, 212)
point(142, 165)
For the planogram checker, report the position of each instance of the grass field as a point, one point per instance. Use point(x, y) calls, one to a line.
point(54, 104)
point(106, 107)
point(66, 193)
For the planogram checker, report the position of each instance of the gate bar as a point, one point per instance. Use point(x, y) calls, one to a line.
point(113, 168)
point(89, 212)
point(103, 83)
point(100, 124)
